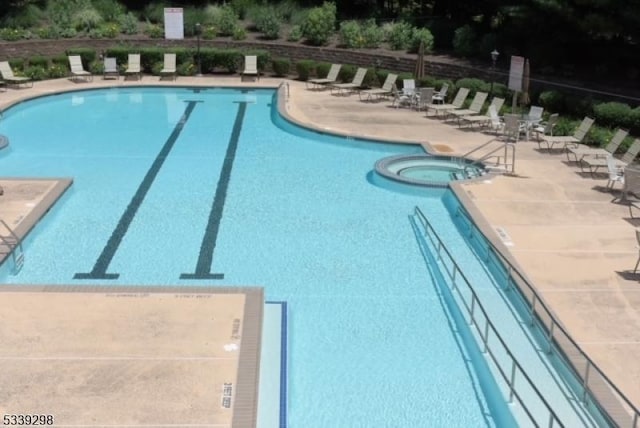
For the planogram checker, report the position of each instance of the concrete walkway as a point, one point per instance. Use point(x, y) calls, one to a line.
point(573, 240)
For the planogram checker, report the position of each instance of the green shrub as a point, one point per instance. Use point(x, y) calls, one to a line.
point(154, 12)
point(110, 10)
point(565, 126)
point(28, 16)
point(320, 24)
point(49, 32)
point(86, 19)
point(599, 136)
point(371, 79)
point(350, 35)
point(56, 71)
point(400, 36)
point(39, 61)
point(421, 35)
point(613, 114)
point(239, 33)
point(209, 32)
point(154, 31)
point(241, 7)
point(12, 34)
point(68, 32)
point(96, 67)
point(465, 41)
point(304, 68)
point(60, 60)
point(371, 34)
point(347, 72)
point(474, 85)
point(229, 59)
point(109, 30)
point(36, 72)
point(128, 23)
point(552, 101)
point(268, 23)
point(281, 66)
point(87, 55)
point(187, 69)
point(226, 21)
point(60, 12)
point(295, 34)
point(322, 68)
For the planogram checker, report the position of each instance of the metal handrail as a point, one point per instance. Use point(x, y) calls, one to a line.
point(483, 331)
point(555, 332)
point(504, 145)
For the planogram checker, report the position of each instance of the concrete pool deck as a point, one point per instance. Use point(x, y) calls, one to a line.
point(565, 230)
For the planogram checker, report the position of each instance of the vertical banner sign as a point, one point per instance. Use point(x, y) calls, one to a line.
point(173, 23)
point(515, 73)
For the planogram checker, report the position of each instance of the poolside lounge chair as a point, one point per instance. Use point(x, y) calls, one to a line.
point(332, 77)
point(440, 96)
point(169, 68)
point(384, 91)
point(568, 140)
point(133, 66)
point(583, 150)
point(485, 119)
point(355, 84)
point(457, 103)
point(250, 72)
point(474, 108)
point(10, 78)
point(545, 128)
point(594, 163)
point(424, 97)
point(77, 70)
point(110, 68)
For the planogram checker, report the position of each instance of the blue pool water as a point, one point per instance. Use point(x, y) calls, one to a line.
point(210, 187)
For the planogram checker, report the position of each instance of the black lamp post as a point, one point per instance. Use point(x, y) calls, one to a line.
point(494, 58)
point(198, 30)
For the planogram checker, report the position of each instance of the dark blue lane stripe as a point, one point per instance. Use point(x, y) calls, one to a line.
point(99, 270)
point(205, 258)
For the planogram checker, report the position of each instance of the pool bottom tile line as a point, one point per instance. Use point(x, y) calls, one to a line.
point(99, 270)
point(208, 245)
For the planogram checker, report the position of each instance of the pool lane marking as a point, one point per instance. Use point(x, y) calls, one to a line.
point(208, 245)
point(99, 270)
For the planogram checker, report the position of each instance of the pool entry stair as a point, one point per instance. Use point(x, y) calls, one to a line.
point(560, 386)
point(12, 245)
point(496, 155)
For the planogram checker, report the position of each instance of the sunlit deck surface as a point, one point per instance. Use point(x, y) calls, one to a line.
point(564, 228)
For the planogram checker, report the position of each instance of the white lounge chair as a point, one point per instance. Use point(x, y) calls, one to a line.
point(384, 91)
point(594, 163)
point(568, 141)
point(474, 108)
point(10, 78)
point(110, 68)
point(457, 103)
point(250, 72)
point(77, 70)
point(583, 150)
point(133, 66)
point(169, 67)
point(485, 119)
point(544, 129)
point(332, 77)
point(355, 84)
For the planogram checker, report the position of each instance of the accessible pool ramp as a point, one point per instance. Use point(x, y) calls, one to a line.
point(544, 376)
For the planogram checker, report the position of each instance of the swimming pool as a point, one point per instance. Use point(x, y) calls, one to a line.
point(198, 187)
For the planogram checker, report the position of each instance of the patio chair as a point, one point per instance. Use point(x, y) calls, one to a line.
point(399, 98)
point(133, 66)
point(568, 141)
point(10, 78)
point(424, 97)
point(535, 115)
point(169, 68)
point(332, 77)
point(545, 128)
point(594, 163)
point(110, 68)
point(384, 91)
point(474, 108)
point(409, 87)
point(616, 172)
point(512, 127)
point(250, 72)
point(77, 70)
point(583, 150)
point(355, 84)
point(440, 96)
point(457, 103)
point(485, 119)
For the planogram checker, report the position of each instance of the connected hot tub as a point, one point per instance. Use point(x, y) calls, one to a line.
point(428, 170)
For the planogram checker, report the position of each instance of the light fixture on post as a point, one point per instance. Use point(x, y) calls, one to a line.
point(198, 31)
point(494, 58)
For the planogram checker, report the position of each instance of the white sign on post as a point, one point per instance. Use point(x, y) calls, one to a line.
point(173, 23)
point(515, 73)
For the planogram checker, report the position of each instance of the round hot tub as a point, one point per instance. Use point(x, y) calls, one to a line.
point(427, 170)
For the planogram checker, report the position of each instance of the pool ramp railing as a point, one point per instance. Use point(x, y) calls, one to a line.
point(489, 151)
point(11, 244)
point(595, 388)
point(487, 332)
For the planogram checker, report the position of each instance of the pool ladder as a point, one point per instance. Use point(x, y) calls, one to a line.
point(13, 246)
point(504, 162)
